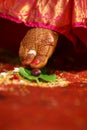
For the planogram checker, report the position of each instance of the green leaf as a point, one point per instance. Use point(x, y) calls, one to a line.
point(22, 72)
point(48, 78)
point(26, 73)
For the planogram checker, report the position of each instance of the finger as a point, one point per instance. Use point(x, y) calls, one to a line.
point(51, 50)
point(26, 47)
point(29, 58)
point(25, 54)
point(39, 61)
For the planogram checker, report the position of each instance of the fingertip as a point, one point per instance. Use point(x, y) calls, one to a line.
point(27, 60)
point(36, 63)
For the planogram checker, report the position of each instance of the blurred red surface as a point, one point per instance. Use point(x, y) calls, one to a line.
point(45, 109)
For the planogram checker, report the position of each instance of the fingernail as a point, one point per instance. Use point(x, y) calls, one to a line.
point(35, 62)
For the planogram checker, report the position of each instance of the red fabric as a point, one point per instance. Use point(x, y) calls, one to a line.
point(64, 16)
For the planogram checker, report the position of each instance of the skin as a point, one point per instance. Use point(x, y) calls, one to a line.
point(43, 41)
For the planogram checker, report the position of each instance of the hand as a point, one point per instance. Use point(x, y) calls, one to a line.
point(43, 41)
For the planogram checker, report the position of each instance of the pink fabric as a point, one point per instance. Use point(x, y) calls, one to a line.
point(68, 17)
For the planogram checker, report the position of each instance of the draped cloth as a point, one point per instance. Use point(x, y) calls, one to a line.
point(68, 17)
